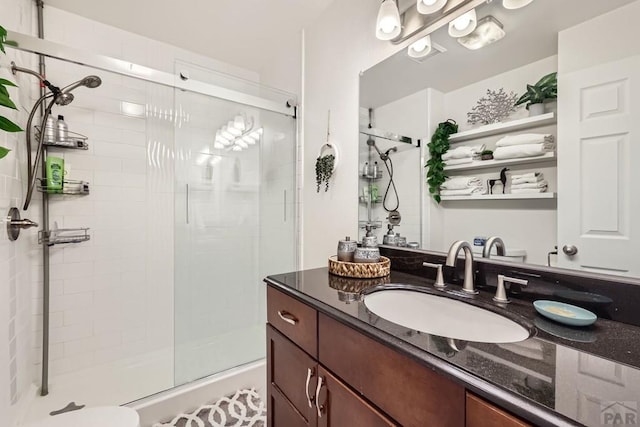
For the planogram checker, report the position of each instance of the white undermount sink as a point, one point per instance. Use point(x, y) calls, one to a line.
point(442, 316)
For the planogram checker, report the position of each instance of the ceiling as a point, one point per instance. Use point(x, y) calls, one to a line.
point(244, 33)
point(532, 34)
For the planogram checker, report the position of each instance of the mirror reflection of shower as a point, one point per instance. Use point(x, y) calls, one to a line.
point(391, 186)
point(56, 96)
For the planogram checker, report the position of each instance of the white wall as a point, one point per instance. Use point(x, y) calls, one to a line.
point(338, 46)
point(16, 371)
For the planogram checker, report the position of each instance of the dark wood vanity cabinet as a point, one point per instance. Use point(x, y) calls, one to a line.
point(321, 372)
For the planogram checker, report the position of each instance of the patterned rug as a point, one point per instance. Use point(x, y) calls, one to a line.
point(242, 409)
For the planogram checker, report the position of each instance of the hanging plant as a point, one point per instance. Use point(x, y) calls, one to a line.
point(5, 100)
point(324, 170)
point(437, 147)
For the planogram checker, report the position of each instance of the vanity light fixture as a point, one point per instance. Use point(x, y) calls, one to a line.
point(420, 48)
point(464, 24)
point(427, 7)
point(488, 31)
point(515, 4)
point(388, 25)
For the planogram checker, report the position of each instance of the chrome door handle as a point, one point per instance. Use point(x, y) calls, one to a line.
point(288, 317)
point(319, 407)
point(570, 250)
point(311, 372)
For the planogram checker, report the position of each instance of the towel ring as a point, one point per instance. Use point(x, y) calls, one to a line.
point(336, 153)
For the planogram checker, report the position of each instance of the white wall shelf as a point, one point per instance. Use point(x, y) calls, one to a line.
point(500, 128)
point(500, 197)
point(485, 164)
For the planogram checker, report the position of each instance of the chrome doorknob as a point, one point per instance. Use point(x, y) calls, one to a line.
point(570, 250)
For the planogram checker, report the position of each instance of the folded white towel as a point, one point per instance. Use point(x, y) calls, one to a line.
point(461, 182)
point(528, 190)
point(526, 175)
point(464, 192)
point(527, 180)
point(462, 152)
point(452, 162)
point(519, 151)
point(539, 184)
point(524, 138)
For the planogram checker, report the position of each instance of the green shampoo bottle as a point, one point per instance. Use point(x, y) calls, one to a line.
point(55, 174)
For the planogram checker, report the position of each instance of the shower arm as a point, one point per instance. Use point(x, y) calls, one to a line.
point(54, 89)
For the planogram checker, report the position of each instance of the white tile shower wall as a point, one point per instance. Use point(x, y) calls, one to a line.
point(112, 297)
point(15, 293)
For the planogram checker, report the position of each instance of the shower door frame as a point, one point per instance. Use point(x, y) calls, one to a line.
point(48, 49)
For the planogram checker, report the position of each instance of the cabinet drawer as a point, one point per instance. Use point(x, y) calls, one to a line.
point(294, 319)
point(410, 393)
point(483, 414)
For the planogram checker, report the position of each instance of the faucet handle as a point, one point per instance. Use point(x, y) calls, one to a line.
point(439, 277)
point(501, 293)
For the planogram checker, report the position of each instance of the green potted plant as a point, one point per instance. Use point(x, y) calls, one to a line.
point(545, 89)
point(5, 100)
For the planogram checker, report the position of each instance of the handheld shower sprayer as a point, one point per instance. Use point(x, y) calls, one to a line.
point(58, 96)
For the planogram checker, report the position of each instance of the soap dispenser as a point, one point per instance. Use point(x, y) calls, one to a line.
point(390, 238)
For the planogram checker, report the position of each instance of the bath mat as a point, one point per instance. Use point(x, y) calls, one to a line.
point(242, 409)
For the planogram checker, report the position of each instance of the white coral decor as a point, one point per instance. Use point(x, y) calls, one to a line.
point(494, 107)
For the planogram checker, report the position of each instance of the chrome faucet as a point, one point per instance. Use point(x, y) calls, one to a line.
point(494, 240)
point(452, 256)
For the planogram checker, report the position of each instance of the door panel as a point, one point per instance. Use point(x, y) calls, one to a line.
point(597, 210)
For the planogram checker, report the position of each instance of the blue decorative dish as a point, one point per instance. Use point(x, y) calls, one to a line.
point(565, 313)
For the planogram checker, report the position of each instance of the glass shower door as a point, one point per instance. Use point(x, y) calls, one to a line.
point(234, 213)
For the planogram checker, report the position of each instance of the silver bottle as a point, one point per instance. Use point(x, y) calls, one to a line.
point(62, 130)
point(346, 249)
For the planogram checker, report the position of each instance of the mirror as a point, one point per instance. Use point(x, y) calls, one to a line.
point(579, 193)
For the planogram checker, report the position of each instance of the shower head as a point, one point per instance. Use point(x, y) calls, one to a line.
point(91, 82)
point(64, 99)
point(383, 156)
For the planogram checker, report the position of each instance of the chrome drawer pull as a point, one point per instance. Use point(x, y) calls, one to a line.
point(310, 373)
point(288, 317)
point(318, 406)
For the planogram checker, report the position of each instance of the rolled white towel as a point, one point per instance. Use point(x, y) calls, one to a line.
point(519, 151)
point(539, 184)
point(463, 192)
point(527, 180)
point(523, 139)
point(453, 162)
point(528, 190)
point(526, 175)
point(462, 152)
point(461, 182)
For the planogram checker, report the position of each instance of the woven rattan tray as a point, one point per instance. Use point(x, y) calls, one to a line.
point(369, 270)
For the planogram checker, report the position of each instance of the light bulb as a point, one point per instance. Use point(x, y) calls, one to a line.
point(427, 7)
point(388, 25)
point(515, 4)
point(464, 24)
point(420, 48)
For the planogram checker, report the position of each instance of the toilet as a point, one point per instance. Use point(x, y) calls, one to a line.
point(101, 416)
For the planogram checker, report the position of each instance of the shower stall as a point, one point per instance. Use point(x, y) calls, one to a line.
point(190, 202)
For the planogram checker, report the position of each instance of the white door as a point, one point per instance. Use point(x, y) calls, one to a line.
point(599, 168)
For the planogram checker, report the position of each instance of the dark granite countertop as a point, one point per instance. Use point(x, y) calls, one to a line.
point(560, 376)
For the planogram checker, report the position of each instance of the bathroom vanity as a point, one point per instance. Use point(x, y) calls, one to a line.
point(333, 362)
